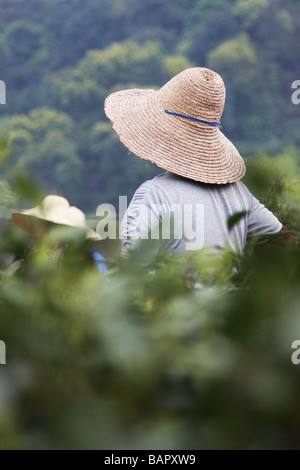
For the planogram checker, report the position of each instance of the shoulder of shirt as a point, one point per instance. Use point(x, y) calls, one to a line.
point(246, 194)
point(243, 188)
point(159, 184)
point(156, 184)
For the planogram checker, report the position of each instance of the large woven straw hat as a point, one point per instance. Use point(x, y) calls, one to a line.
point(178, 126)
point(56, 210)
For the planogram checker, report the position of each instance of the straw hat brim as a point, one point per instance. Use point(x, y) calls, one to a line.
point(36, 225)
point(188, 148)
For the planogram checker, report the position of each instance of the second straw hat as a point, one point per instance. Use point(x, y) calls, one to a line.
point(178, 126)
point(56, 210)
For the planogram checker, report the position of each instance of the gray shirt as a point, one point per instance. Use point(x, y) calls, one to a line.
point(186, 215)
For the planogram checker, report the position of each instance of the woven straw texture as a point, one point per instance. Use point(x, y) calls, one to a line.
point(188, 148)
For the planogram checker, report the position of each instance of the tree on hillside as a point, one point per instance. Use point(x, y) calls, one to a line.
point(42, 147)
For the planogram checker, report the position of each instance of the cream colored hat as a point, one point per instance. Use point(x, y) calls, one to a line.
point(178, 126)
point(54, 209)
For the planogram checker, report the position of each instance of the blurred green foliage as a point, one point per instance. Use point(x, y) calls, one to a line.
point(8, 199)
point(61, 59)
point(163, 353)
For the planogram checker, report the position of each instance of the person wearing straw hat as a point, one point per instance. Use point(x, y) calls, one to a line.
point(52, 212)
point(178, 129)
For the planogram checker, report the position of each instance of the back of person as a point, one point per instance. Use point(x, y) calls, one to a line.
point(201, 211)
point(178, 127)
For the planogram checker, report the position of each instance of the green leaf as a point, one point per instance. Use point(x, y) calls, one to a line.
point(27, 189)
point(235, 218)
